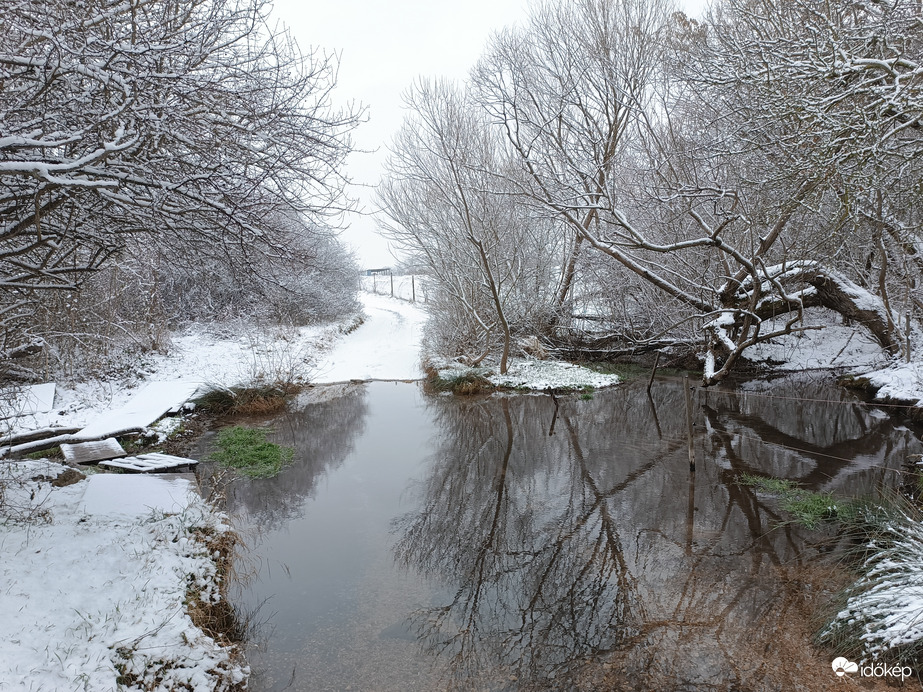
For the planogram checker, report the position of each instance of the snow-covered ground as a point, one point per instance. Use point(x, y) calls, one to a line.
point(851, 350)
point(214, 355)
point(899, 381)
point(91, 589)
point(537, 375)
point(385, 347)
point(834, 346)
point(551, 374)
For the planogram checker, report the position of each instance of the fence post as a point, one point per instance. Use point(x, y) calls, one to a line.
point(391, 274)
point(650, 382)
point(689, 422)
point(413, 290)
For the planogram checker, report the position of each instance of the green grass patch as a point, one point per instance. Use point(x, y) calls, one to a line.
point(248, 451)
point(766, 484)
point(50, 453)
point(806, 507)
point(810, 509)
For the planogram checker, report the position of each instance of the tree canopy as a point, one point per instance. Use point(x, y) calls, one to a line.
point(194, 124)
point(720, 176)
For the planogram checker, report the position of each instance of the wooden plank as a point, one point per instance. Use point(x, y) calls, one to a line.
point(150, 403)
point(45, 443)
point(168, 458)
point(35, 435)
point(146, 463)
point(88, 452)
point(128, 463)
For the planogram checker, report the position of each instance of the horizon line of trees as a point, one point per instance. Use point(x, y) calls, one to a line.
point(615, 163)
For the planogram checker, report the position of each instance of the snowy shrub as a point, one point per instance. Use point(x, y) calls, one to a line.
point(128, 308)
point(883, 615)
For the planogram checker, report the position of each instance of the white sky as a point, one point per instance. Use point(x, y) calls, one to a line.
point(384, 46)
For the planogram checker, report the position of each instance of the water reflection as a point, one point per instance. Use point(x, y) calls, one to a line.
point(529, 543)
point(581, 552)
point(319, 548)
point(323, 431)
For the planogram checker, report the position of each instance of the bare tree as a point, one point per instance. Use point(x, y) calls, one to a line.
point(831, 92)
point(451, 206)
point(194, 122)
point(566, 90)
point(681, 191)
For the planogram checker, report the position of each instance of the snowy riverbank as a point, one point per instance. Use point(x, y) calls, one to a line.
point(850, 351)
point(96, 579)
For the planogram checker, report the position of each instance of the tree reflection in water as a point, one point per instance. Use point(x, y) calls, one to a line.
point(322, 431)
point(572, 533)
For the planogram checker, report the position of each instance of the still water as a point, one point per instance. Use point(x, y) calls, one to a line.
point(522, 542)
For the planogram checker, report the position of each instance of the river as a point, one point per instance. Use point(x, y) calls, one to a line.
point(530, 542)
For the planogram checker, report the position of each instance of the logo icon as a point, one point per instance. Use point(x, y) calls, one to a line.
point(841, 666)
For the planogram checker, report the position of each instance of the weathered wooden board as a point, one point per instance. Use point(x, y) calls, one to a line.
point(149, 463)
point(88, 452)
point(39, 434)
point(150, 403)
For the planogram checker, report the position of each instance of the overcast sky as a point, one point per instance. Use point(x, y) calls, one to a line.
point(383, 47)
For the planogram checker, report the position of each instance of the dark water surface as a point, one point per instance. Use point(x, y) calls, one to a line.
point(520, 542)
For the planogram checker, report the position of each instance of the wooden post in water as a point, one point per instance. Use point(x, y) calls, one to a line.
point(686, 391)
point(413, 290)
point(391, 274)
point(650, 382)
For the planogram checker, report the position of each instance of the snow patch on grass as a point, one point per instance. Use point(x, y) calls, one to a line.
point(885, 609)
point(98, 602)
point(540, 375)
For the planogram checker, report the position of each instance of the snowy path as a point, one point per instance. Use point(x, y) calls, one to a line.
point(385, 347)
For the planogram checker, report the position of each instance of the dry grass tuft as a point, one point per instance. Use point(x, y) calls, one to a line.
point(252, 401)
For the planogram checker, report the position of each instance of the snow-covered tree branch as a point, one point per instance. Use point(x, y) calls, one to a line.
point(193, 124)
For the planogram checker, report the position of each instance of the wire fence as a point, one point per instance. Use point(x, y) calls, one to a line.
point(410, 287)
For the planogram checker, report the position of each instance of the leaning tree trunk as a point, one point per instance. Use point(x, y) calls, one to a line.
point(834, 291)
point(795, 286)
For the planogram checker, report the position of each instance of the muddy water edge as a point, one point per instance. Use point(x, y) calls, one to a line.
point(530, 542)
